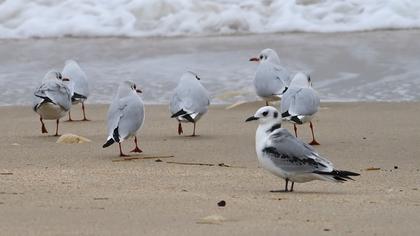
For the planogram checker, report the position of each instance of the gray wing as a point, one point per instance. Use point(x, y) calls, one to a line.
point(55, 92)
point(301, 101)
point(192, 98)
point(292, 155)
point(271, 79)
point(125, 117)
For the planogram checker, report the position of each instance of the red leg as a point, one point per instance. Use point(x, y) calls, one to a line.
point(314, 142)
point(193, 131)
point(295, 128)
point(180, 131)
point(121, 153)
point(84, 113)
point(43, 129)
point(69, 117)
point(136, 149)
point(56, 128)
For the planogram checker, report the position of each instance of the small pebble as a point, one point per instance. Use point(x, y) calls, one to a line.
point(221, 203)
point(364, 137)
point(327, 230)
point(158, 160)
point(395, 167)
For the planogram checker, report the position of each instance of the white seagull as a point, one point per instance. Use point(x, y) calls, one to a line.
point(125, 116)
point(271, 78)
point(285, 156)
point(300, 103)
point(78, 85)
point(52, 100)
point(190, 100)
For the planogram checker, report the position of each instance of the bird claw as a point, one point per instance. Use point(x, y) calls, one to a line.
point(136, 149)
point(314, 142)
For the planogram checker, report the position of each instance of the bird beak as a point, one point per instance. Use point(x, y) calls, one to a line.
point(66, 79)
point(251, 118)
point(254, 59)
point(139, 91)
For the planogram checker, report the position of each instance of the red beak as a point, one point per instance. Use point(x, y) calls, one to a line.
point(66, 79)
point(254, 59)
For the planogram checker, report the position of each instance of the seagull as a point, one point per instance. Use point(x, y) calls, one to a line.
point(52, 100)
point(190, 100)
point(287, 157)
point(125, 116)
point(300, 103)
point(78, 84)
point(271, 78)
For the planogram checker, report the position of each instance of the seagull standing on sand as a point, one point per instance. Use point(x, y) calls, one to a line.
point(190, 100)
point(300, 103)
point(285, 156)
point(78, 84)
point(271, 78)
point(52, 100)
point(125, 116)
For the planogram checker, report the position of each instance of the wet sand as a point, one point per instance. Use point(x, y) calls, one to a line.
point(77, 189)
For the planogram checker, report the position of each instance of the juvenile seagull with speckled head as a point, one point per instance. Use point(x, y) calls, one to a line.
point(285, 156)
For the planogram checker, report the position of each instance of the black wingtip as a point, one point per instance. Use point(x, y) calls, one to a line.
point(296, 120)
point(108, 143)
point(188, 117)
point(179, 113)
point(285, 114)
point(340, 175)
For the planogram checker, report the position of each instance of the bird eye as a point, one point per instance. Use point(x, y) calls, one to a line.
point(198, 78)
point(265, 113)
point(309, 78)
point(134, 87)
point(276, 114)
point(261, 57)
point(265, 57)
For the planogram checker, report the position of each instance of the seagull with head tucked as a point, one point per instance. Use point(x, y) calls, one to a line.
point(300, 103)
point(78, 84)
point(285, 156)
point(125, 116)
point(52, 100)
point(190, 100)
point(271, 78)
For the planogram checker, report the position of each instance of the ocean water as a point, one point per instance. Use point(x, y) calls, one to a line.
point(365, 66)
point(139, 18)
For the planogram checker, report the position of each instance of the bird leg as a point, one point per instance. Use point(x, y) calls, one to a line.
point(43, 129)
point(285, 187)
point(56, 128)
point(180, 131)
point(69, 117)
point(314, 142)
point(291, 188)
point(193, 131)
point(84, 113)
point(266, 103)
point(136, 149)
point(121, 153)
point(295, 128)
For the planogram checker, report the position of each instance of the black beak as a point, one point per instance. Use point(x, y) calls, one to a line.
point(251, 118)
point(138, 91)
point(254, 59)
point(66, 79)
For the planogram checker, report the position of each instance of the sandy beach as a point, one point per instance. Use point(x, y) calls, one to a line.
point(79, 189)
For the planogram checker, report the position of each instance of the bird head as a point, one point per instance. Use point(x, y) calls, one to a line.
point(266, 115)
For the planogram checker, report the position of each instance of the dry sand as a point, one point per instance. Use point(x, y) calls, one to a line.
point(77, 189)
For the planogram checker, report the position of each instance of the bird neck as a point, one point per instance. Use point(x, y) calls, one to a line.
point(263, 131)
